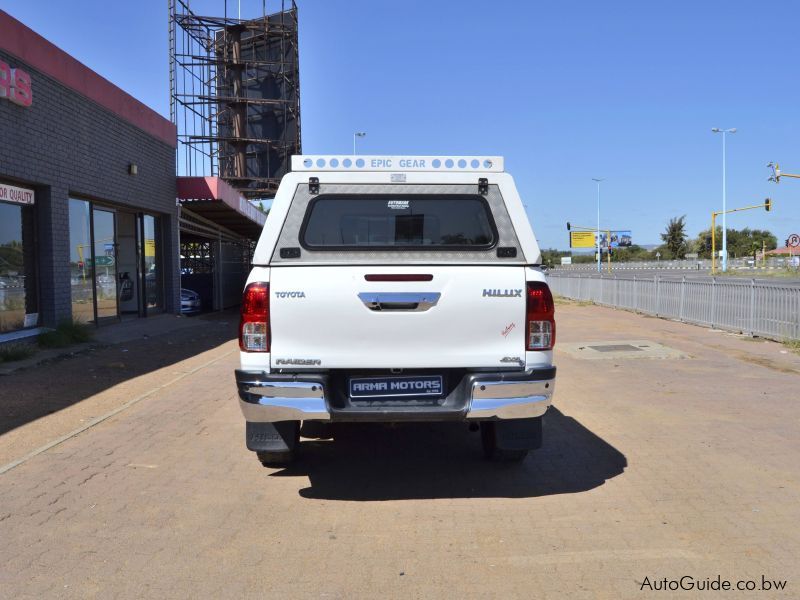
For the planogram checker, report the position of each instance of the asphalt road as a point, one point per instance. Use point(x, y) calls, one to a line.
point(652, 468)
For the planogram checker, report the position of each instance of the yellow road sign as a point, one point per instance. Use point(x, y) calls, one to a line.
point(582, 239)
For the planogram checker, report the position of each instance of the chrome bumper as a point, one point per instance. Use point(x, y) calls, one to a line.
point(493, 399)
point(480, 396)
point(273, 401)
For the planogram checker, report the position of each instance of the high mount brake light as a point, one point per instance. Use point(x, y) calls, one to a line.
point(399, 277)
point(254, 323)
point(540, 309)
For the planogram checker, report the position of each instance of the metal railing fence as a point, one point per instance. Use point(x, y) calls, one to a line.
point(765, 309)
point(747, 264)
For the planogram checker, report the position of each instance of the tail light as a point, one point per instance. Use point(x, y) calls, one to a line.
point(254, 324)
point(541, 320)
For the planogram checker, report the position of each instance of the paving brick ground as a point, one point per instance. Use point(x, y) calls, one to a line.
point(651, 468)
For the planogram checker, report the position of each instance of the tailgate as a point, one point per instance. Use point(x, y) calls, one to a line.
point(362, 317)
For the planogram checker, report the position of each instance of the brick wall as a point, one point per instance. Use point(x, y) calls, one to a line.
point(65, 145)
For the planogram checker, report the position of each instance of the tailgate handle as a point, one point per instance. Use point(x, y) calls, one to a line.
point(396, 301)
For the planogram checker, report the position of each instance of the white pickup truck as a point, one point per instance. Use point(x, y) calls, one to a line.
point(392, 289)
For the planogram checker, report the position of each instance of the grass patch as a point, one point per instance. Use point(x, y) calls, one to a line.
point(793, 345)
point(65, 334)
point(788, 273)
point(12, 352)
point(563, 300)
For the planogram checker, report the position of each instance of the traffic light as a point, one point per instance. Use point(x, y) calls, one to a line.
point(768, 204)
point(568, 226)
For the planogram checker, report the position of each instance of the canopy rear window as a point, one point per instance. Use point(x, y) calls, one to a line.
point(447, 222)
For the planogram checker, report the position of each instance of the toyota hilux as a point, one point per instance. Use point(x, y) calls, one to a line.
point(396, 289)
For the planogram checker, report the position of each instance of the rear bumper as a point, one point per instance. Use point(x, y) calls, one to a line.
point(480, 396)
point(504, 396)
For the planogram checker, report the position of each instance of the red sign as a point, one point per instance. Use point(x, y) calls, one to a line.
point(15, 84)
point(793, 241)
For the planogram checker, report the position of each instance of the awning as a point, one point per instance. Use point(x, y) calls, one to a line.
point(215, 200)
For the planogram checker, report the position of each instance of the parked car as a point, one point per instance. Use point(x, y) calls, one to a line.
point(190, 302)
point(396, 289)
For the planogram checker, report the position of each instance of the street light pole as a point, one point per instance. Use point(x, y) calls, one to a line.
point(599, 267)
point(724, 198)
point(355, 135)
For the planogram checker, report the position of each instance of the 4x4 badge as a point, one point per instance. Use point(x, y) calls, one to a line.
point(512, 359)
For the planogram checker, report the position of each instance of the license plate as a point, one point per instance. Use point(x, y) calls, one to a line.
point(392, 387)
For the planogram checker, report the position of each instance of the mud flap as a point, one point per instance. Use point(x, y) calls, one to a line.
point(518, 434)
point(272, 437)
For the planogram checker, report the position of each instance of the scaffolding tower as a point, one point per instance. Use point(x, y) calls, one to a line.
point(235, 95)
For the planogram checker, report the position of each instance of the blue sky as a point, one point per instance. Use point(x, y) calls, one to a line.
point(566, 91)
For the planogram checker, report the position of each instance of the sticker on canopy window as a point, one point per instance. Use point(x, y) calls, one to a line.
point(397, 204)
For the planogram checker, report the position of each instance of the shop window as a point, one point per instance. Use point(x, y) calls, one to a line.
point(115, 262)
point(18, 287)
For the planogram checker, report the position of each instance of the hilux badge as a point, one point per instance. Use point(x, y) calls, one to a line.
point(502, 293)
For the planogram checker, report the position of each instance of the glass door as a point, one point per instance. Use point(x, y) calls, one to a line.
point(80, 261)
point(151, 261)
point(104, 244)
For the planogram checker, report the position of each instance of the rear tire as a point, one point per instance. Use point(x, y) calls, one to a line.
point(491, 450)
point(281, 459)
point(276, 459)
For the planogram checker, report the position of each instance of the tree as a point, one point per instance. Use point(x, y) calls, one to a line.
point(634, 252)
point(702, 244)
point(674, 237)
point(551, 256)
point(746, 242)
point(741, 242)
